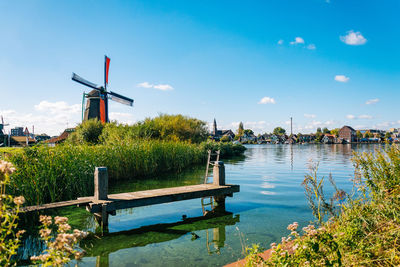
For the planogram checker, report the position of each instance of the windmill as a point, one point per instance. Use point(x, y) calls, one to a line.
point(2, 134)
point(97, 99)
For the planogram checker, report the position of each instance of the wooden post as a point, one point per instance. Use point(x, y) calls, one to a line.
point(219, 173)
point(100, 183)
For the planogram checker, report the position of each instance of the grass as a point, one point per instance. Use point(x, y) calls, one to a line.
point(365, 231)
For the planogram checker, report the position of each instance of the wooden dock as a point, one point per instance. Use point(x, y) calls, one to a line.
point(102, 204)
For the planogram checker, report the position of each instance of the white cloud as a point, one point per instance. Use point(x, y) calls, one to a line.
point(365, 117)
point(372, 101)
point(297, 40)
point(362, 117)
point(162, 87)
point(342, 78)
point(57, 107)
point(353, 38)
point(145, 85)
point(122, 117)
point(280, 42)
point(267, 100)
point(310, 115)
point(311, 46)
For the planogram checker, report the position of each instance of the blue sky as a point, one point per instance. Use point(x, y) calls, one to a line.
point(324, 63)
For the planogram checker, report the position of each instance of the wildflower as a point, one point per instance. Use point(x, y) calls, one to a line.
point(19, 200)
point(293, 226)
point(283, 254)
point(44, 232)
point(6, 167)
point(19, 233)
point(45, 220)
point(64, 227)
point(273, 244)
point(60, 220)
point(295, 246)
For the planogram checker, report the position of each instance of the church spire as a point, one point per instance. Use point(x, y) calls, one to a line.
point(215, 127)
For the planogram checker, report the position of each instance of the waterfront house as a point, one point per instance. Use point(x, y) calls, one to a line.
point(328, 139)
point(306, 138)
point(347, 134)
point(218, 134)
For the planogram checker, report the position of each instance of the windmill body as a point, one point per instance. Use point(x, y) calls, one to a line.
point(97, 99)
point(3, 137)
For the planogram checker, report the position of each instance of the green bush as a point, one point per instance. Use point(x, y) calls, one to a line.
point(87, 132)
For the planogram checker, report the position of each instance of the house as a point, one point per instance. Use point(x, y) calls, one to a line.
point(282, 138)
point(21, 141)
point(347, 134)
point(17, 131)
point(59, 139)
point(306, 138)
point(218, 134)
point(328, 139)
point(291, 139)
point(42, 137)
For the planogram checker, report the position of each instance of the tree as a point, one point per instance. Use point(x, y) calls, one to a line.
point(335, 132)
point(319, 130)
point(240, 129)
point(225, 138)
point(359, 135)
point(248, 132)
point(326, 131)
point(368, 134)
point(279, 131)
point(387, 135)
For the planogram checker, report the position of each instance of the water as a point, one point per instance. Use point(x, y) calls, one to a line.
point(270, 198)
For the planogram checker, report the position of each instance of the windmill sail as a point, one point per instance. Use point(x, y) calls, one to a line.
point(80, 80)
point(120, 99)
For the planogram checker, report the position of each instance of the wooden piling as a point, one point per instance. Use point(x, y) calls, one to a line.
point(101, 183)
point(219, 173)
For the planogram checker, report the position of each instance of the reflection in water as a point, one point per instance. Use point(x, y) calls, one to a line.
point(271, 197)
point(158, 233)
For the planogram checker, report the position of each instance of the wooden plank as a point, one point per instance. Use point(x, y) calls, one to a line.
point(142, 198)
point(54, 205)
point(166, 195)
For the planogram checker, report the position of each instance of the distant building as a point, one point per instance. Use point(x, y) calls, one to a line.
point(347, 134)
point(19, 141)
point(59, 139)
point(218, 134)
point(17, 131)
point(328, 139)
point(42, 137)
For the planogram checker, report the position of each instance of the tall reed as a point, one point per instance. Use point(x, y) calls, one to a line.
point(65, 172)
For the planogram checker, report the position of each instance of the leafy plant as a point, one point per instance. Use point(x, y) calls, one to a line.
point(9, 208)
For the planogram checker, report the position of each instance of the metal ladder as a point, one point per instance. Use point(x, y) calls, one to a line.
point(211, 200)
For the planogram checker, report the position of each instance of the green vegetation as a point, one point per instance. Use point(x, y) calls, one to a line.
point(167, 143)
point(279, 131)
point(9, 208)
point(44, 174)
point(364, 230)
